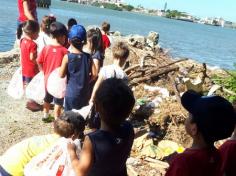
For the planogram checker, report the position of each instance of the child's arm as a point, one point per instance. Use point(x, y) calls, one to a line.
point(26, 10)
point(81, 165)
point(33, 53)
point(63, 68)
point(96, 67)
point(97, 84)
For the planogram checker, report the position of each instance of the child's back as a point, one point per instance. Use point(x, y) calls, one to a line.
point(78, 79)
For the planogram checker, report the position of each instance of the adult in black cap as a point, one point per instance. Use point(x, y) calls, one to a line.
point(211, 118)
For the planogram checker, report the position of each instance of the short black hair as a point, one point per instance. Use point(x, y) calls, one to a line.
point(114, 101)
point(77, 43)
point(31, 27)
point(71, 22)
point(58, 29)
point(69, 123)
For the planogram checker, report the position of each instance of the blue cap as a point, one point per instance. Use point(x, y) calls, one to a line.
point(77, 31)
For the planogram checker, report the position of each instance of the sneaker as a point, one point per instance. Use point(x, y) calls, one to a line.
point(48, 118)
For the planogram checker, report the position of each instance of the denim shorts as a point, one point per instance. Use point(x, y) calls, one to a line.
point(49, 98)
point(3, 172)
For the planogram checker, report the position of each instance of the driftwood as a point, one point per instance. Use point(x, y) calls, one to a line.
point(149, 77)
point(174, 85)
point(158, 163)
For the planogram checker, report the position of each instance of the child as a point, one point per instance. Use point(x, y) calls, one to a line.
point(44, 38)
point(106, 150)
point(13, 161)
point(71, 22)
point(51, 58)
point(28, 51)
point(95, 48)
point(228, 154)
point(105, 32)
point(210, 119)
point(120, 53)
point(76, 65)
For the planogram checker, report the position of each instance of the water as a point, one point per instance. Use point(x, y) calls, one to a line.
point(213, 45)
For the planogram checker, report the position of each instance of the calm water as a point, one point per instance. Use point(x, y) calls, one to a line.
point(213, 45)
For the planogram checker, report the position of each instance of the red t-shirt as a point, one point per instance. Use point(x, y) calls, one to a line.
point(196, 162)
point(51, 58)
point(228, 154)
point(29, 68)
point(32, 8)
point(106, 41)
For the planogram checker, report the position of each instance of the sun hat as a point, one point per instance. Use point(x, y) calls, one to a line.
point(77, 31)
point(214, 115)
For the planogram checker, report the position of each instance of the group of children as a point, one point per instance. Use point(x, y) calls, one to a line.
point(105, 151)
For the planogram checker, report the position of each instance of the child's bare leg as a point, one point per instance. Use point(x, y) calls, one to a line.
point(57, 111)
point(46, 107)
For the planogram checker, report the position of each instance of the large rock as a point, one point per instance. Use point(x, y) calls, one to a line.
point(152, 39)
point(9, 56)
point(137, 41)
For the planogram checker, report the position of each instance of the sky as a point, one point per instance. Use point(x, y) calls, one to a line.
point(200, 8)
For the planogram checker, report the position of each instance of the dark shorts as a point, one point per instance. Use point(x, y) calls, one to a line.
point(74, 103)
point(26, 80)
point(49, 98)
point(3, 172)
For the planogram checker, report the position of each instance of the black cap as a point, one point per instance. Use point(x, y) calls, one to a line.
point(214, 115)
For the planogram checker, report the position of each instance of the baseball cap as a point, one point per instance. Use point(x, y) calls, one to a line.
point(214, 115)
point(77, 31)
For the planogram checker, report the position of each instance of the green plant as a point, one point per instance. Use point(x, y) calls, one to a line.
point(228, 82)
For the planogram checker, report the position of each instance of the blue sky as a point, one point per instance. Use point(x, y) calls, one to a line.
point(201, 8)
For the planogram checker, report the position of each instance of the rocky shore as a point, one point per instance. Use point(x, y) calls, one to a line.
point(157, 81)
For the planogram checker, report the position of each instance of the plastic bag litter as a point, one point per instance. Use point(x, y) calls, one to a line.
point(36, 88)
point(56, 85)
point(55, 161)
point(84, 111)
point(15, 88)
point(163, 91)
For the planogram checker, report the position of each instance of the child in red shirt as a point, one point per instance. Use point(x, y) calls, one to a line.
point(210, 119)
point(28, 51)
point(105, 39)
point(49, 59)
point(228, 154)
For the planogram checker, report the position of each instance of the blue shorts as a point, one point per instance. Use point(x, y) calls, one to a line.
point(49, 98)
point(26, 80)
point(3, 172)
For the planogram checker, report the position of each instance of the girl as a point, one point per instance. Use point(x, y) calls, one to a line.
point(44, 38)
point(106, 150)
point(77, 66)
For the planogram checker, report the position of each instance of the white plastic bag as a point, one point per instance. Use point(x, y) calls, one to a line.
point(55, 161)
point(56, 85)
point(15, 88)
point(36, 88)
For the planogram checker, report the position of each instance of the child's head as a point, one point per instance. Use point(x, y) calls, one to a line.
point(31, 29)
point(46, 22)
point(213, 117)
point(94, 37)
point(77, 36)
point(114, 101)
point(59, 32)
point(120, 51)
point(106, 27)
point(70, 125)
point(71, 22)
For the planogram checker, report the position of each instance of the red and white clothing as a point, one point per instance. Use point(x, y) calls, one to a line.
point(228, 154)
point(106, 42)
point(32, 8)
point(196, 162)
point(29, 67)
point(51, 58)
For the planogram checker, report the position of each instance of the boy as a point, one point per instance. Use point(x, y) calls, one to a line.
point(13, 161)
point(106, 150)
point(120, 53)
point(228, 154)
point(71, 22)
point(210, 119)
point(105, 32)
point(51, 58)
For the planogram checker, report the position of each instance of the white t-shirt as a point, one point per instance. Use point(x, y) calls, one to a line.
point(42, 41)
point(113, 71)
